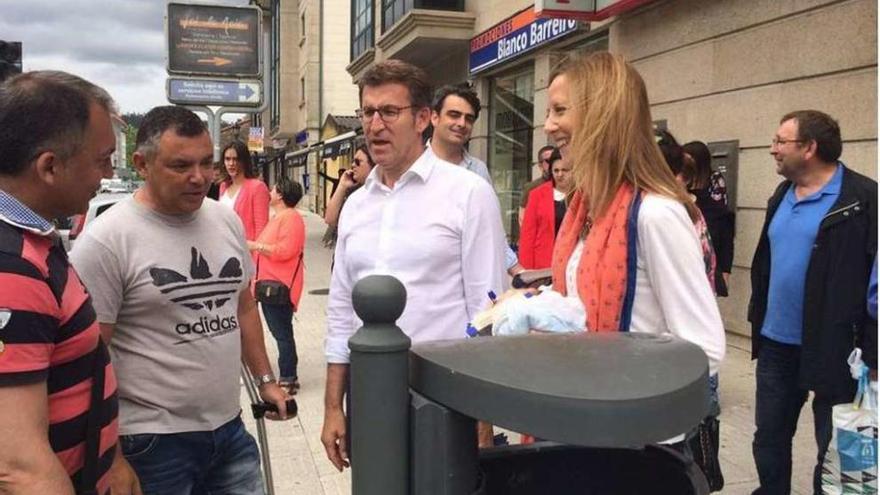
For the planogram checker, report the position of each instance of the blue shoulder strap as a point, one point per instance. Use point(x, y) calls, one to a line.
point(632, 240)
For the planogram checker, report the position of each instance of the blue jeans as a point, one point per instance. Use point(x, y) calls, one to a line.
point(225, 461)
point(279, 317)
point(778, 403)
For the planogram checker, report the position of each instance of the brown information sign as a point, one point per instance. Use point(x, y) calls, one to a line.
point(213, 40)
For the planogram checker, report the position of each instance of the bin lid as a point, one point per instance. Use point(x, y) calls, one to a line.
point(591, 389)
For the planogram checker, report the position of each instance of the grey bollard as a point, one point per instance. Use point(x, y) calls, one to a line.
point(379, 377)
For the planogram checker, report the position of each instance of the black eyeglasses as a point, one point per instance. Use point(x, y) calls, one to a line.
point(783, 142)
point(388, 113)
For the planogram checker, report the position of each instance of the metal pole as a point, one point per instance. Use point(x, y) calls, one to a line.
point(380, 399)
point(262, 438)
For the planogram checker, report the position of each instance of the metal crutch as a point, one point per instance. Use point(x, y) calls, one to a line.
point(262, 438)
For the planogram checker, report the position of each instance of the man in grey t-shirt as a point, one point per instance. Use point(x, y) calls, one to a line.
point(169, 274)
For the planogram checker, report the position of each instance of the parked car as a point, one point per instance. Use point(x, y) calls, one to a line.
point(77, 224)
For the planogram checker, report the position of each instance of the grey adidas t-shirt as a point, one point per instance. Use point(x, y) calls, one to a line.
point(171, 286)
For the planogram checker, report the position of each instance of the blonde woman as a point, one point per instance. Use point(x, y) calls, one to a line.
point(627, 247)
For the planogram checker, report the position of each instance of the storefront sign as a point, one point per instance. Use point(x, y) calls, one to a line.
point(585, 10)
point(515, 36)
point(255, 139)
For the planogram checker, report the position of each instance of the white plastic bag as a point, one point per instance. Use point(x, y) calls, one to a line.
point(850, 465)
point(546, 311)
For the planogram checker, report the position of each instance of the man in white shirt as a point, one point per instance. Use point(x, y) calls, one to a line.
point(455, 110)
point(434, 226)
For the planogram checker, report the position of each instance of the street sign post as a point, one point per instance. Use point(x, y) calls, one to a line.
point(195, 91)
point(213, 40)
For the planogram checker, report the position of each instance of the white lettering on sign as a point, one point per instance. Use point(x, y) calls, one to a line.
point(512, 46)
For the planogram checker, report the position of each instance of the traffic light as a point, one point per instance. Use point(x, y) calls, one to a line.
point(10, 59)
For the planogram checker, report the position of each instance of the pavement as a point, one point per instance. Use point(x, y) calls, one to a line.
point(300, 466)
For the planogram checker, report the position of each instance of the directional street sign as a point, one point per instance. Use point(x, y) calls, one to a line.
point(190, 91)
point(213, 40)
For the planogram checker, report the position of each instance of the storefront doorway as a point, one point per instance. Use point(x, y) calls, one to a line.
point(511, 106)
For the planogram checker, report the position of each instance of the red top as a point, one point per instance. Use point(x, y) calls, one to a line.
point(50, 334)
point(251, 205)
point(285, 236)
point(538, 231)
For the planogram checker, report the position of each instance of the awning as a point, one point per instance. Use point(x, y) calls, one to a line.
point(338, 145)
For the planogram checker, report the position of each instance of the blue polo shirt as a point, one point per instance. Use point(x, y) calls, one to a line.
point(792, 233)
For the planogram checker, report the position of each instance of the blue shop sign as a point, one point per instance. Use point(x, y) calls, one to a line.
point(515, 36)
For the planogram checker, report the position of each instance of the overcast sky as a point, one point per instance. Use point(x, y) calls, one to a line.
point(117, 44)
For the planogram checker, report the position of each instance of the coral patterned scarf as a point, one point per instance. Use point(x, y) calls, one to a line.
point(607, 270)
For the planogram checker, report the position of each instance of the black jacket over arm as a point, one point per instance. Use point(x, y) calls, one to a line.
point(835, 296)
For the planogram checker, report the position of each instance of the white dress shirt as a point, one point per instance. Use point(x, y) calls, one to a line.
point(438, 231)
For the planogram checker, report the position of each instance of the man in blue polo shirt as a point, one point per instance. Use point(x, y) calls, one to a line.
point(809, 286)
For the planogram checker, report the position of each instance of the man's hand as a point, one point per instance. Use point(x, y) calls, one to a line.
point(274, 394)
point(123, 479)
point(333, 436)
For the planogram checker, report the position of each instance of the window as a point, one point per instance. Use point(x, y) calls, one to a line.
point(393, 10)
point(361, 27)
point(511, 131)
point(302, 91)
point(274, 70)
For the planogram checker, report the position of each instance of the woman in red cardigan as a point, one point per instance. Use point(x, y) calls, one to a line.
point(544, 213)
point(279, 253)
point(242, 191)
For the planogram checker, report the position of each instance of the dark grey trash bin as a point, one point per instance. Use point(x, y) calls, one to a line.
point(606, 397)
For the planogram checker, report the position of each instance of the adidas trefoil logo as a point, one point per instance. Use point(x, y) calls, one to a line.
point(201, 289)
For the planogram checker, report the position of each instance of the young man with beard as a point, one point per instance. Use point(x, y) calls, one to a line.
point(454, 112)
point(170, 275)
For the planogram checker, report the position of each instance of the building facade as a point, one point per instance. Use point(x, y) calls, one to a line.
point(305, 81)
point(719, 72)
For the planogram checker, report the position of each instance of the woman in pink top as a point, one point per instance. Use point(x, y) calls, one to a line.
point(241, 190)
point(279, 257)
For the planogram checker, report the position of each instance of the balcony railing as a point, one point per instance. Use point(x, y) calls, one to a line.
point(394, 10)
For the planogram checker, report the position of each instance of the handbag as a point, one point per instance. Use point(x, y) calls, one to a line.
point(850, 464)
point(273, 291)
point(704, 445)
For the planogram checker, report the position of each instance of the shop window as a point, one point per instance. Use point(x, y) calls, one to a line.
point(511, 132)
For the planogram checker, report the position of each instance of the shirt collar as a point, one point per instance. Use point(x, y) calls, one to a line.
point(421, 168)
point(17, 214)
point(466, 161)
point(833, 185)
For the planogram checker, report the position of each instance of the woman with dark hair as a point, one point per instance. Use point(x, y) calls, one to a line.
point(242, 191)
point(681, 166)
point(543, 216)
point(279, 260)
point(709, 188)
point(349, 182)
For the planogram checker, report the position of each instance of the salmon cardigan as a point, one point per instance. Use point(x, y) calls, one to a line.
point(538, 232)
point(251, 205)
point(285, 236)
